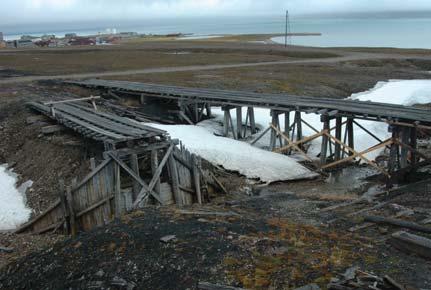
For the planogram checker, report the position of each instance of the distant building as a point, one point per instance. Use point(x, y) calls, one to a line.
point(48, 37)
point(20, 43)
point(70, 35)
point(1, 37)
point(83, 41)
point(128, 34)
point(28, 37)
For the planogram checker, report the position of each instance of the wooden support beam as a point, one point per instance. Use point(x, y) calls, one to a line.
point(405, 139)
point(134, 165)
point(291, 143)
point(355, 154)
point(173, 170)
point(350, 134)
point(274, 124)
point(208, 109)
point(117, 192)
point(286, 126)
point(185, 118)
point(325, 140)
point(338, 133)
point(72, 217)
point(393, 164)
point(252, 120)
point(261, 135)
point(92, 98)
point(413, 144)
point(298, 121)
point(226, 123)
point(239, 122)
point(196, 178)
point(154, 166)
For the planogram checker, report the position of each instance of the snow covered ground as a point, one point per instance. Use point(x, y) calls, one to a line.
point(256, 163)
point(13, 211)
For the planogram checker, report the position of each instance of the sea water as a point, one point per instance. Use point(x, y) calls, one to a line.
point(402, 31)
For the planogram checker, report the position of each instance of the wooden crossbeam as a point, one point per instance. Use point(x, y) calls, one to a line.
point(305, 140)
point(133, 174)
point(291, 142)
point(92, 98)
point(359, 154)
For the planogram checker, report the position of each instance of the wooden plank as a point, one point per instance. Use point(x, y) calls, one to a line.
point(93, 173)
point(72, 217)
point(29, 224)
point(291, 143)
point(52, 129)
point(156, 178)
point(398, 223)
point(94, 206)
point(210, 286)
point(411, 244)
point(72, 100)
point(175, 181)
point(134, 165)
point(117, 192)
point(196, 178)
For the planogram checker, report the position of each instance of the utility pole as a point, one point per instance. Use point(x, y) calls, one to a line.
point(287, 29)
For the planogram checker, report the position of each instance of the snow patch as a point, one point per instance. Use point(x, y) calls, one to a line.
point(13, 211)
point(236, 155)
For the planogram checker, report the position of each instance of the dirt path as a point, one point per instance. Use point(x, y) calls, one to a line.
point(347, 57)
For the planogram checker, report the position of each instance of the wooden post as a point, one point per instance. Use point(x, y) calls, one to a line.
point(338, 133)
point(274, 122)
point(175, 180)
point(63, 200)
point(92, 164)
point(196, 178)
point(405, 138)
point(134, 165)
point(393, 155)
point(239, 122)
point(350, 133)
point(142, 99)
point(154, 166)
point(325, 140)
point(208, 108)
point(298, 121)
point(72, 217)
point(413, 144)
point(252, 120)
point(226, 122)
point(117, 193)
point(286, 126)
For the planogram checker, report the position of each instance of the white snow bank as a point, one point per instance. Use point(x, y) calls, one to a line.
point(235, 155)
point(13, 211)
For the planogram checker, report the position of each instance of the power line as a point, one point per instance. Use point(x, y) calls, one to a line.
point(287, 39)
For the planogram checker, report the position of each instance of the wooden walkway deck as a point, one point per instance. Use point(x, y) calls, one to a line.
point(96, 125)
point(280, 102)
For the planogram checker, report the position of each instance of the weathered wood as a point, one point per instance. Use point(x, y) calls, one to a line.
point(117, 192)
point(134, 165)
point(209, 213)
point(63, 204)
point(286, 126)
point(154, 166)
point(338, 135)
point(260, 136)
point(71, 209)
point(94, 206)
point(52, 129)
point(185, 118)
point(298, 121)
point(210, 286)
point(92, 174)
point(252, 120)
point(46, 212)
point(405, 139)
point(411, 244)
point(92, 98)
point(175, 180)
point(291, 143)
point(239, 122)
point(196, 178)
point(350, 134)
point(398, 223)
point(325, 140)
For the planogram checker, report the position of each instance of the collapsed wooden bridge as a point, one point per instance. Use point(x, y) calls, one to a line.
point(140, 165)
point(338, 144)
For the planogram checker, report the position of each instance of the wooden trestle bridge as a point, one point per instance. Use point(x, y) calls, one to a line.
point(338, 143)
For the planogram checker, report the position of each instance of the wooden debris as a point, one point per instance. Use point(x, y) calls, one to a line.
point(208, 213)
point(34, 119)
point(309, 287)
point(6, 250)
point(411, 244)
point(52, 129)
point(210, 286)
point(167, 239)
point(399, 223)
point(357, 279)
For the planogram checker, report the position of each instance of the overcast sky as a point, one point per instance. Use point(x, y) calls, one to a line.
point(31, 11)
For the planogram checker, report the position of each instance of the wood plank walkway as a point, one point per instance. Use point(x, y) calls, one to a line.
point(97, 125)
point(281, 102)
